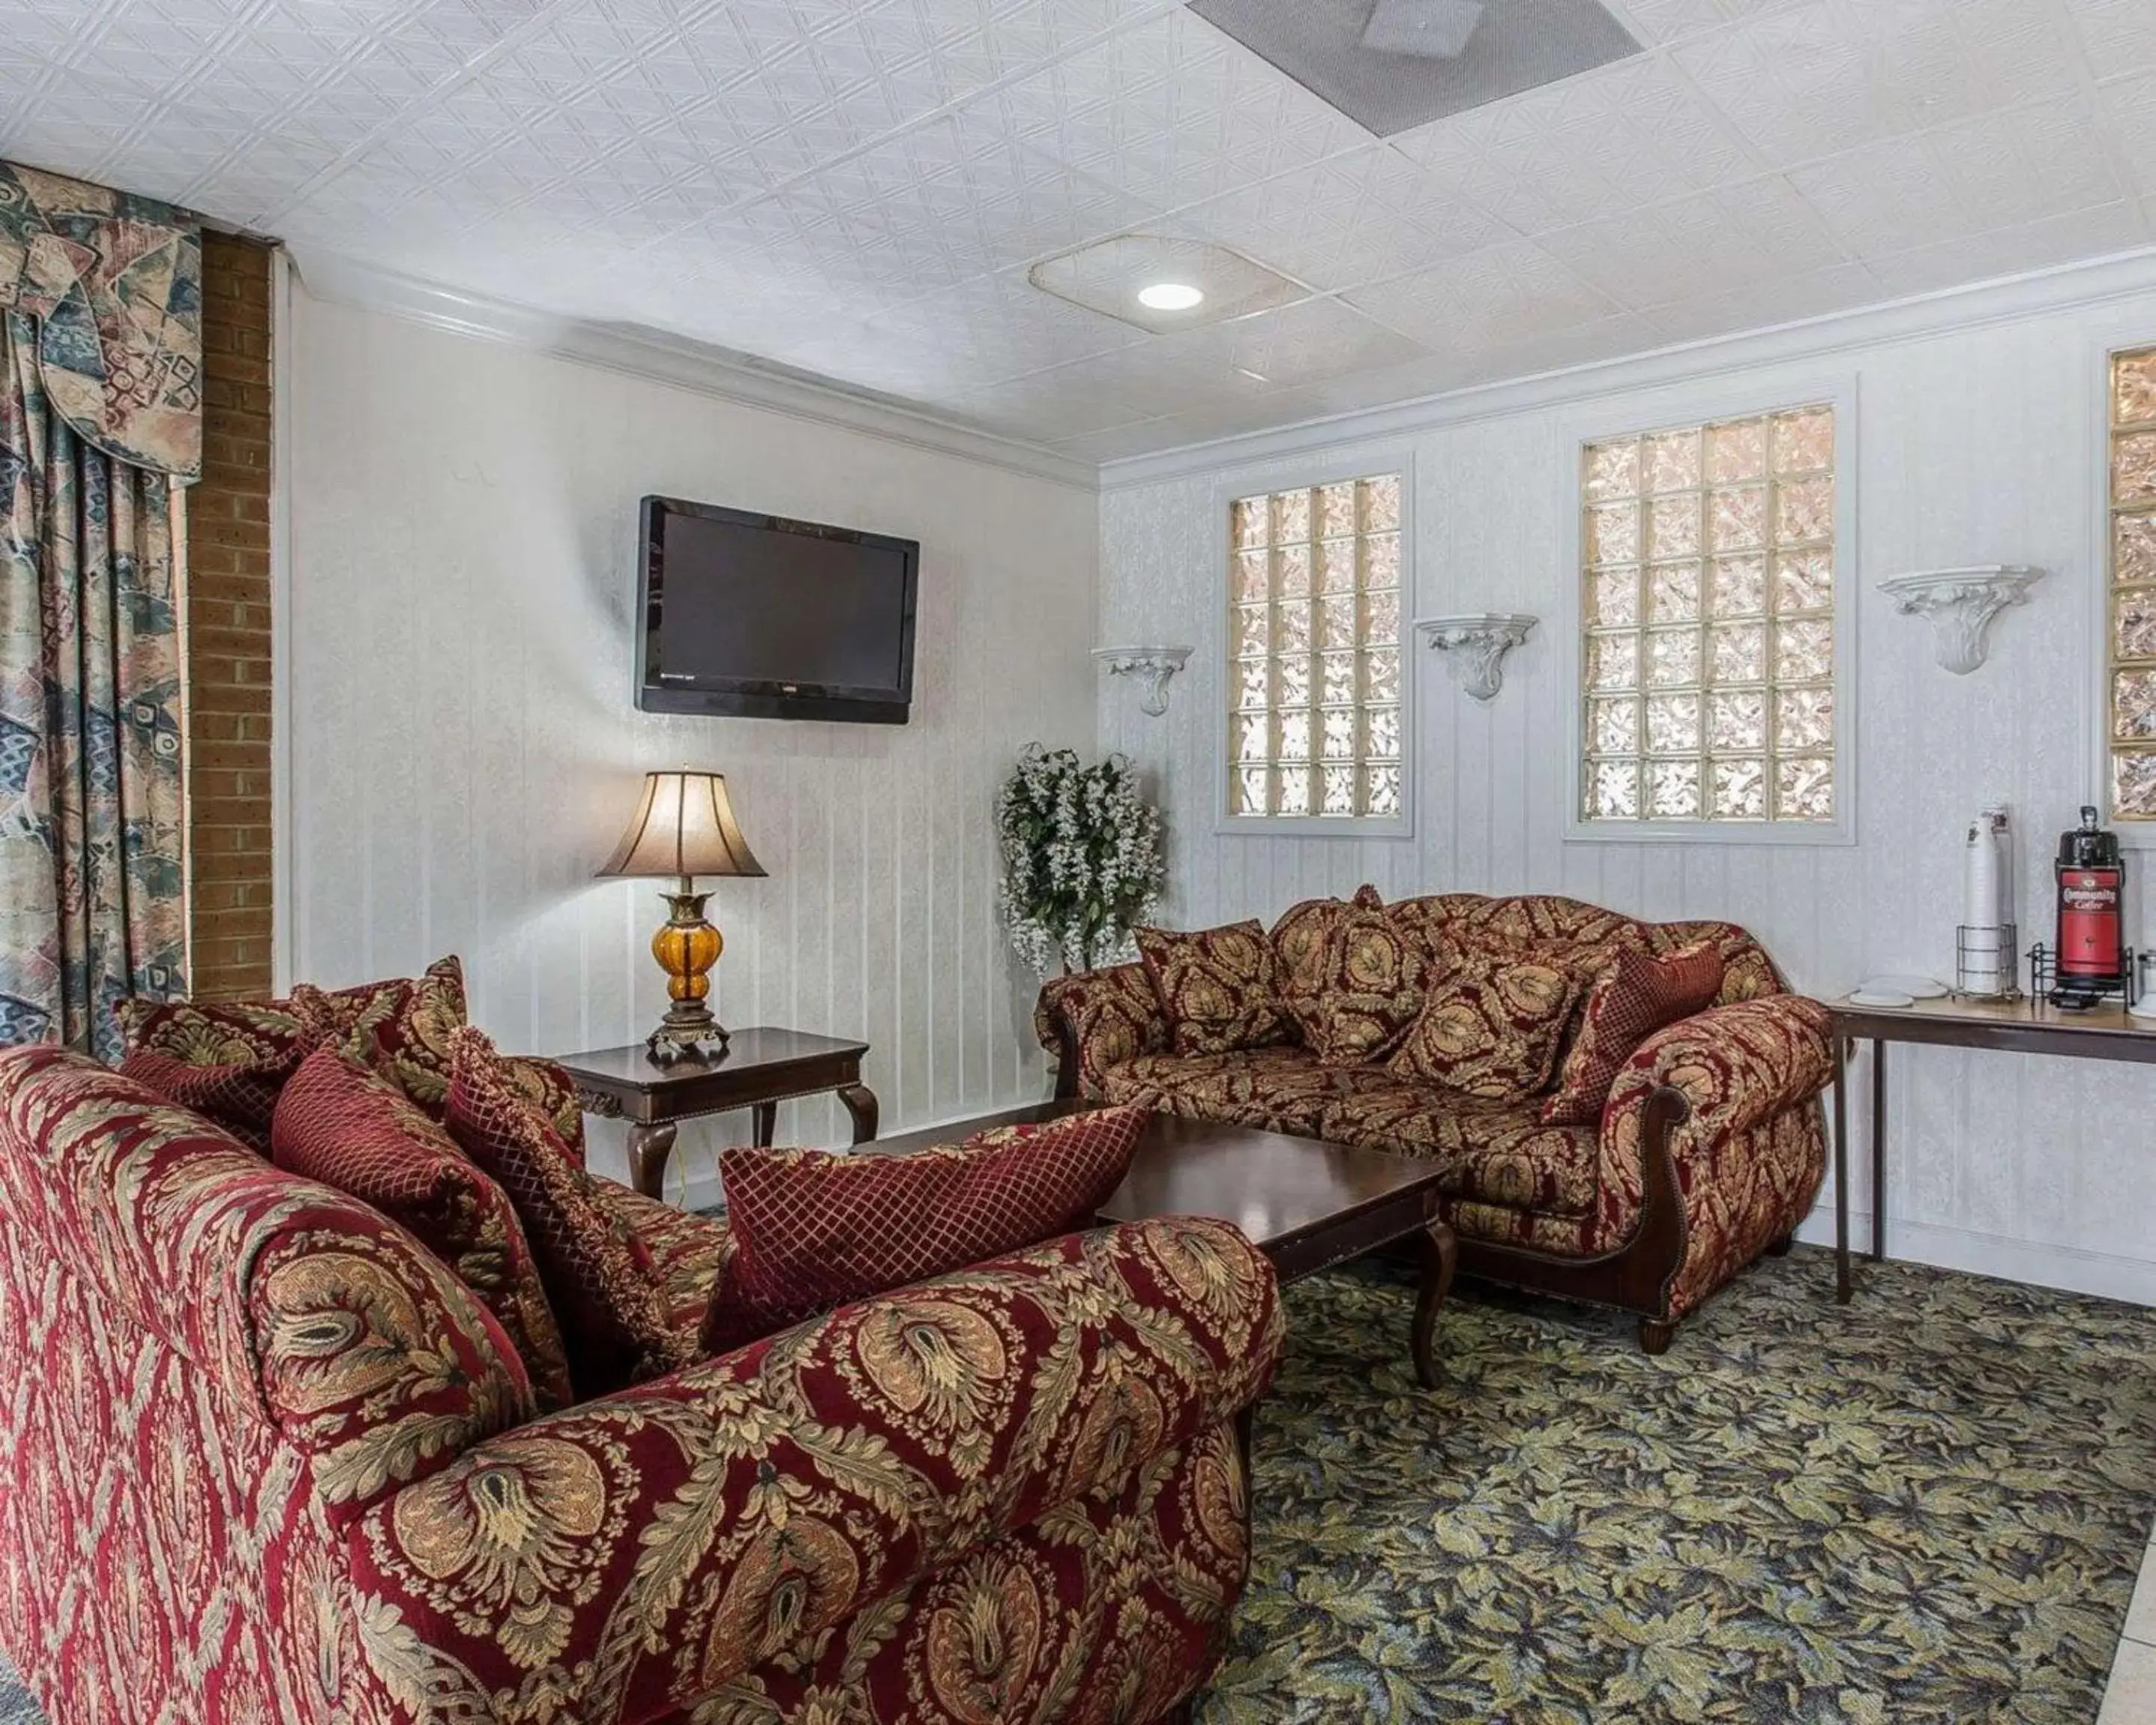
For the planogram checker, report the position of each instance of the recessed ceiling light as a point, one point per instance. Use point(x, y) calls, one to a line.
point(1171, 296)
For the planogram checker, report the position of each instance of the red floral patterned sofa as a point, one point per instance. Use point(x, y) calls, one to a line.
point(266, 1460)
point(1709, 1151)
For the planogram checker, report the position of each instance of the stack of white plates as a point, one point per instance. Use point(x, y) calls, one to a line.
point(1897, 991)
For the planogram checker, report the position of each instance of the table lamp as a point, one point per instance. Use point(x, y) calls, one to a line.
point(683, 827)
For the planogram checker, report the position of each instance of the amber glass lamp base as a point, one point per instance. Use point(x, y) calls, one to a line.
point(687, 947)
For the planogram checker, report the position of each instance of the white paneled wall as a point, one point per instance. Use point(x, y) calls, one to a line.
point(464, 747)
point(1974, 445)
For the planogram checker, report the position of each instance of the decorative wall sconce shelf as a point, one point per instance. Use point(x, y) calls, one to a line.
point(1475, 644)
point(1961, 603)
point(1155, 665)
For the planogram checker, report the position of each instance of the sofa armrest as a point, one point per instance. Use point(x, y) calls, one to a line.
point(638, 1551)
point(1095, 1020)
point(303, 1308)
point(1735, 1065)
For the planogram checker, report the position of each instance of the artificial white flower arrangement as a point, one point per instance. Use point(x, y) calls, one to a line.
point(1081, 859)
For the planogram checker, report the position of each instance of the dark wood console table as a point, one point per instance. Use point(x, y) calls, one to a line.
point(2026, 1026)
point(759, 1069)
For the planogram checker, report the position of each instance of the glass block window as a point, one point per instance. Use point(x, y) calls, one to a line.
point(2132, 628)
point(1314, 647)
point(1707, 567)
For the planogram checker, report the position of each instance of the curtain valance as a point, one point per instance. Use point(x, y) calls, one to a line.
point(114, 284)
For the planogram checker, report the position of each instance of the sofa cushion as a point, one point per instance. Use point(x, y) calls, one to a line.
point(1301, 941)
point(815, 1230)
point(1371, 988)
point(1493, 1152)
point(600, 1277)
point(1633, 997)
point(224, 1059)
point(350, 1018)
point(1215, 986)
point(1276, 1089)
point(688, 1251)
point(240, 1095)
point(1490, 1027)
point(338, 1122)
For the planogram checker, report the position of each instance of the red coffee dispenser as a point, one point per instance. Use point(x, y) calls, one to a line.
point(2090, 959)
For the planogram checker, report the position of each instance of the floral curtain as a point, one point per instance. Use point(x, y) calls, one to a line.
point(101, 419)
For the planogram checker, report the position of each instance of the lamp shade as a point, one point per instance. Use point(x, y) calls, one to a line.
point(683, 826)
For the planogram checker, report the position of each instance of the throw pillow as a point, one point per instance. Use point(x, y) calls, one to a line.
point(813, 1229)
point(598, 1276)
point(1632, 998)
point(410, 1046)
point(225, 1060)
point(239, 1096)
point(1215, 986)
point(1491, 1028)
point(1373, 989)
point(339, 1123)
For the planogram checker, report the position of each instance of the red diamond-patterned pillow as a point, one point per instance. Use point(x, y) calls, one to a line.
point(340, 1124)
point(606, 1296)
point(816, 1230)
point(1633, 997)
point(239, 1096)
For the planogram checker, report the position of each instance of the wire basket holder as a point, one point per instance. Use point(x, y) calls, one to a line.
point(2044, 976)
point(1986, 962)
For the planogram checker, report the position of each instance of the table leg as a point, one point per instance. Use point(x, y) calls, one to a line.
point(648, 1148)
point(860, 1103)
point(765, 1118)
point(1440, 1257)
point(1878, 1150)
point(1844, 1287)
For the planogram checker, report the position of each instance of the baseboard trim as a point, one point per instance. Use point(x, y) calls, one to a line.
point(2074, 1269)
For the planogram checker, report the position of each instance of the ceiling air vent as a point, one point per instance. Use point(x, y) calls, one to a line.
point(1391, 65)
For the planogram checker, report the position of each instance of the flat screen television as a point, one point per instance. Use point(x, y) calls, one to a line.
point(754, 616)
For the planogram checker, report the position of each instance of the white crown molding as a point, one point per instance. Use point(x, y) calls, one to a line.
point(2068, 287)
point(677, 360)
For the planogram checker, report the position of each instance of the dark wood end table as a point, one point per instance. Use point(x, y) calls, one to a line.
point(757, 1070)
point(1306, 1204)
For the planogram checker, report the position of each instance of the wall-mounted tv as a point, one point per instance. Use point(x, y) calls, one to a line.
point(753, 616)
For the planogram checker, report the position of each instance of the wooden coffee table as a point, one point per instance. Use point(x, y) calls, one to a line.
point(1306, 1204)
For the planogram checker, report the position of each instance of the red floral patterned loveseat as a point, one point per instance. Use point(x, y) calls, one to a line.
point(267, 1460)
point(1710, 1149)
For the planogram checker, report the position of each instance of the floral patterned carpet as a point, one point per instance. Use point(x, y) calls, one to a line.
point(1927, 1506)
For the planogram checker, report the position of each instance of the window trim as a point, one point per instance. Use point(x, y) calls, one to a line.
point(1773, 393)
point(1265, 479)
point(2132, 334)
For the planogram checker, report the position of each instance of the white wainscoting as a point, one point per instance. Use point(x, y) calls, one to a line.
point(1975, 445)
point(463, 746)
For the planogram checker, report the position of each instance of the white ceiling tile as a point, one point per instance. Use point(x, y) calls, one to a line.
point(2013, 250)
point(1788, 297)
point(1998, 171)
point(1355, 218)
point(1718, 241)
point(2130, 105)
point(1662, 21)
point(2119, 35)
point(1498, 297)
point(857, 187)
point(1624, 134)
point(1173, 112)
point(1006, 327)
point(1819, 78)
